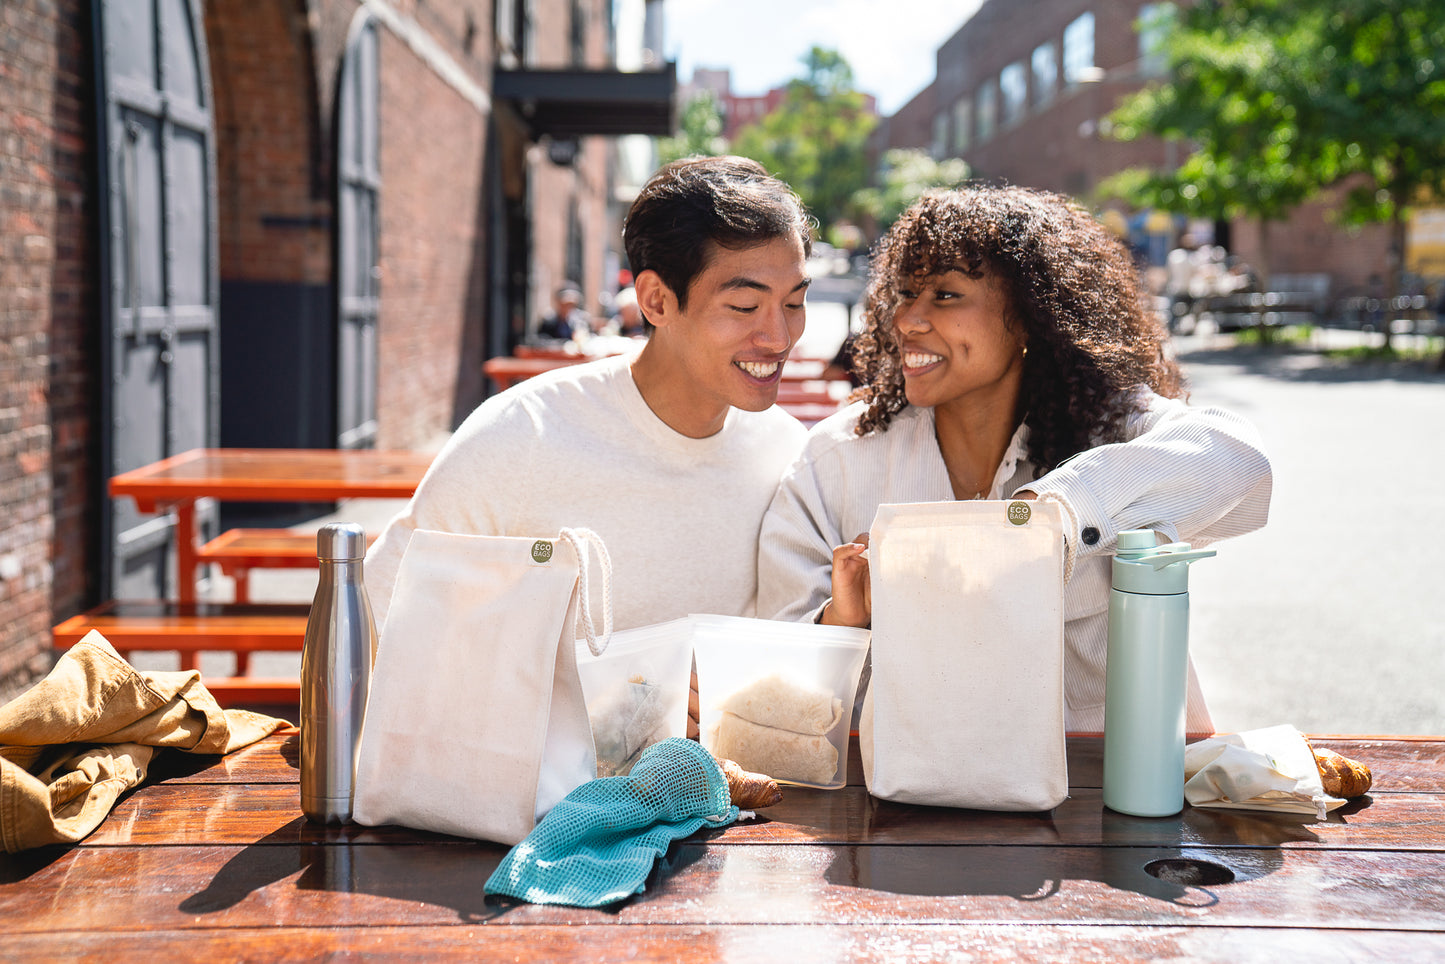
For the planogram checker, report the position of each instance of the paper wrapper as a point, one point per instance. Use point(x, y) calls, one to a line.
point(1267, 769)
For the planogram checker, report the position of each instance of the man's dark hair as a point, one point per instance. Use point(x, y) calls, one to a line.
point(688, 205)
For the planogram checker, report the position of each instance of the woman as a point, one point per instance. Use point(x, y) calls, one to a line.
point(1008, 353)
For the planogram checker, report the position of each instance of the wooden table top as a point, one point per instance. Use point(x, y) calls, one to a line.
point(273, 475)
point(211, 859)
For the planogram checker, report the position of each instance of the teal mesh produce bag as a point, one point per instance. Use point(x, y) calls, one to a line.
point(599, 844)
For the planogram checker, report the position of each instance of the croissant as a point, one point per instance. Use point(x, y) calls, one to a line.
point(750, 791)
point(1342, 776)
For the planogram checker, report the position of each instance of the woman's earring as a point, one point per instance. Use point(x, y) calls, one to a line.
point(1026, 351)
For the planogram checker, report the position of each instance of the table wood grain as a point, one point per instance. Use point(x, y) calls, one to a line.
point(212, 857)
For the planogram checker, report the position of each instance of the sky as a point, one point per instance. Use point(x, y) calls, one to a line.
point(890, 44)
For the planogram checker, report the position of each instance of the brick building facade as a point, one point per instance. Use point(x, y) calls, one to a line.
point(1022, 90)
point(483, 201)
point(47, 296)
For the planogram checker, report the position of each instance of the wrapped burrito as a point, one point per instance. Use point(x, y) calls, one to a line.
point(773, 701)
point(781, 754)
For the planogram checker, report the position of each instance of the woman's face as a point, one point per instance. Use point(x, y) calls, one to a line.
point(957, 346)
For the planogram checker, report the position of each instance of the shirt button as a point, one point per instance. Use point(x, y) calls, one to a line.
point(1090, 536)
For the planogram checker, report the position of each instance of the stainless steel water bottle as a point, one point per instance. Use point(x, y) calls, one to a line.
point(1147, 678)
point(335, 672)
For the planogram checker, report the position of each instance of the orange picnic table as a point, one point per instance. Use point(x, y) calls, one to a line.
point(262, 475)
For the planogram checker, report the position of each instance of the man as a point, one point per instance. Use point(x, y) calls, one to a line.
point(566, 320)
point(672, 454)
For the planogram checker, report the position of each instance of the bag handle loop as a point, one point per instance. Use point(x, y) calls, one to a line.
point(580, 539)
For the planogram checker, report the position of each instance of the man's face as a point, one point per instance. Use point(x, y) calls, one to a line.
point(744, 313)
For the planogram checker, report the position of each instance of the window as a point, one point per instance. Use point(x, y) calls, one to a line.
point(938, 149)
point(962, 124)
point(1079, 49)
point(1046, 73)
point(987, 110)
point(1155, 22)
point(1013, 86)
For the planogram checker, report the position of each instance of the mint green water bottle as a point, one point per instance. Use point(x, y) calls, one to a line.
point(1147, 678)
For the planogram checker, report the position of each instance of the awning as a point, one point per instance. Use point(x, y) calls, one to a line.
point(571, 103)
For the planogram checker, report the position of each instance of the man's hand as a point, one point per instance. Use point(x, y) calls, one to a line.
point(852, 602)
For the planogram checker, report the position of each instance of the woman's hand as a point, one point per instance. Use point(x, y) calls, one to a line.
point(852, 602)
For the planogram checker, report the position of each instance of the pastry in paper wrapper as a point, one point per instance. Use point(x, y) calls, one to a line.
point(1272, 768)
point(773, 701)
point(781, 754)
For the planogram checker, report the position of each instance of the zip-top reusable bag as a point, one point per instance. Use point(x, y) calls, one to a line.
point(475, 723)
point(965, 707)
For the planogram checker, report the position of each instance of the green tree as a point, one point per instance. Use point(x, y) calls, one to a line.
point(1285, 99)
point(699, 131)
point(904, 176)
point(815, 138)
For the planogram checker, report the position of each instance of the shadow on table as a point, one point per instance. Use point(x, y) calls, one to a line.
point(1179, 859)
point(452, 875)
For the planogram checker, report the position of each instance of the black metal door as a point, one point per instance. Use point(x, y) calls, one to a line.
point(159, 337)
point(358, 186)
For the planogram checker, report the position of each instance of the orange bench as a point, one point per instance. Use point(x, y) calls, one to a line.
point(238, 551)
point(191, 628)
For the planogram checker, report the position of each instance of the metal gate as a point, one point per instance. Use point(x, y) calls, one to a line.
point(358, 185)
point(159, 359)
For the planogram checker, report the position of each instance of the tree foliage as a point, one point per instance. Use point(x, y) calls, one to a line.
point(700, 131)
point(905, 176)
point(815, 139)
point(1284, 99)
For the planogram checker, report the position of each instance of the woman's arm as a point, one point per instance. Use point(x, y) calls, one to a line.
point(1196, 475)
point(795, 548)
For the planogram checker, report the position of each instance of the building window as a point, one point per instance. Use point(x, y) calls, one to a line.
point(1046, 73)
point(987, 110)
point(962, 124)
point(938, 149)
point(579, 34)
point(1013, 85)
point(1155, 22)
point(1079, 49)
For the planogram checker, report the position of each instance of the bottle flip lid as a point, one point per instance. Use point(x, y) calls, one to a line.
point(1141, 566)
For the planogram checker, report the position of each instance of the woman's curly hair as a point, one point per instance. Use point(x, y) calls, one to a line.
point(1071, 289)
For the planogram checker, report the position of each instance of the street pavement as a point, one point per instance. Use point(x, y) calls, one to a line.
point(1331, 617)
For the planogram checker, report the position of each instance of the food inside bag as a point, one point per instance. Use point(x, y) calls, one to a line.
point(777, 696)
point(627, 721)
point(636, 692)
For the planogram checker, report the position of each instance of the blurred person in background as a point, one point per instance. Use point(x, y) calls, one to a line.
point(628, 320)
point(566, 320)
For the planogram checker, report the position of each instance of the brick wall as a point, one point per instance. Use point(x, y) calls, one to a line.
point(273, 172)
point(433, 224)
point(47, 298)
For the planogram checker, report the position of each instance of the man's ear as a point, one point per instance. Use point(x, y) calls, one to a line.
point(655, 298)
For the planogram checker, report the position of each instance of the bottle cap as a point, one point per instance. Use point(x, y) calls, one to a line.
point(1142, 567)
point(341, 542)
